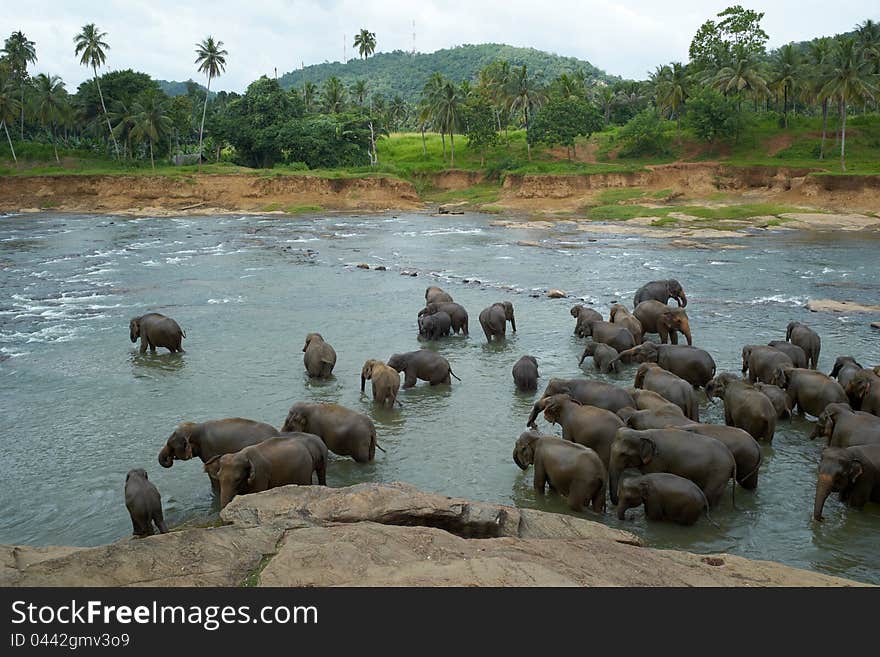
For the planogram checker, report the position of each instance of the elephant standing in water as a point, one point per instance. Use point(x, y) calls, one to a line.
point(744, 406)
point(574, 471)
point(761, 361)
point(808, 390)
point(144, 503)
point(345, 432)
point(525, 373)
point(805, 338)
point(604, 357)
point(669, 386)
point(845, 427)
point(777, 397)
point(274, 462)
point(207, 440)
point(863, 391)
point(423, 364)
point(620, 315)
point(690, 363)
point(494, 320)
point(656, 317)
point(156, 330)
point(665, 496)
point(746, 451)
point(319, 358)
point(845, 368)
point(436, 326)
point(386, 382)
point(589, 426)
point(457, 314)
point(854, 472)
point(436, 294)
point(583, 316)
point(798, 356)
point(593, 393)
point(661, 291)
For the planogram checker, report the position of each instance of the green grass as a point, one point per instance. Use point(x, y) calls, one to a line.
point(624, 212)
point(253, 578)
point(302, 209)
point(738, 212)
point(609, 196)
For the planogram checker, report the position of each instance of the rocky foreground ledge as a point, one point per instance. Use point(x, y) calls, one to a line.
point(388, 535)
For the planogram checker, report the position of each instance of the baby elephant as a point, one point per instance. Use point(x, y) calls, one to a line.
point(777, 397)
point(525, 373)
point(144, 503)
point(436, 326)
point(494, 320)
point(319, 358)
point(584, 316)
point(665, 496)
point(574, 471)
point(604, 357)
point(156, 330)
point(344, 431)
point(386, 382)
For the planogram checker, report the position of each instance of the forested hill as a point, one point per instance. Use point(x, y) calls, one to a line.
point(401, 73)
point(174, 88)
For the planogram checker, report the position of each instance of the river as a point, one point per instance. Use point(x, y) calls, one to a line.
point(80, 406)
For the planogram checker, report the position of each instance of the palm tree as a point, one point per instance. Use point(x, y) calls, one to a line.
point(526, 98)
point(309, 94)
point(90, 45)
point(365, 42)
point(20, 52)
point(819, 56)
point(211, 59)
point(868, 37)
point(123, 118)
point(151, 121)
point(428, 101)
point(495, 79)
point(334, 95)
point(606, 99)
point(397, 111)
point(360, 91)
point(50, 99)
point(742, 74)
point(786, 67)
point(851, 78)
point(9, 106)
point(446, 110)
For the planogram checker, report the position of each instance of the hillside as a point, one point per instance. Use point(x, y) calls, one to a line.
point(176, 88)
point(401, 73)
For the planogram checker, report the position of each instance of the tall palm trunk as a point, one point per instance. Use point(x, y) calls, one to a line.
point(202, 127)
point(21, 123)
point(443, 139)
point(152, 163)
point(843, 138)
point(424, 144)
point(104, 108)
point(785, 106)
point(54, 143)
point(824, 128)
point(452, 143)
point(9, 139)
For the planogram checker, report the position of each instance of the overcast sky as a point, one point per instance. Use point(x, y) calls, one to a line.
point(625, 38)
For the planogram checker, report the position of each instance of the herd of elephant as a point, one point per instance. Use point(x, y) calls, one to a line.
point(643, 445)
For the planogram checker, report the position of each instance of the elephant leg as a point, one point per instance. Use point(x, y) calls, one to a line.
point(159, 519)
point(728, 416)
point(410, 377)
point(321, 470)
point(598, 498)
point(540, 478)
point(673, 336)
point(464, 327)
point(143, 345)
point(152, 348)
point(578, 495)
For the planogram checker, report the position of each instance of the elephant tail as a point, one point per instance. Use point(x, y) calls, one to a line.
point(182, 333)
point(757, 467)
point(733, 487)
point(706, 502)
point(453, 374)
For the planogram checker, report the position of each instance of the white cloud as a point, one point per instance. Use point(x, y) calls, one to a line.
point(626, 38)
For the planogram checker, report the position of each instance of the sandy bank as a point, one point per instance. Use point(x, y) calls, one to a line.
point(388, 535)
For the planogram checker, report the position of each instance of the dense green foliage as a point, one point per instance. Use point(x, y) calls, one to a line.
point(644, 134)
point(562, 120)
point(712, 116)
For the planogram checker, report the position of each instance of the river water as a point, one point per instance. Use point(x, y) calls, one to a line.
point(80, 406)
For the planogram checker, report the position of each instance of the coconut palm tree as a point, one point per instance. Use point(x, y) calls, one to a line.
point(743, 74)
point(526, 98)
point(868, 38)
point(123, 121)
point(151, 121)
point(851, 78)
point(9, 106)
point(211, 59)
point(309, 94)
point(49, 100)
point(365, 42)
point(786, 75)
point(428, 102)
point(605, 98)
point(91, 48)
point(818, 59)
point(446, 110)
point(333, 95)
point(359, 90)
point(19, 52)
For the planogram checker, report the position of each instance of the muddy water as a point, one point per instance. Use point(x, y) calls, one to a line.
point(79, 406)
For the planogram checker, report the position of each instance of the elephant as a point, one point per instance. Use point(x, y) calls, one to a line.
point(620, 315)
point(744, 406)
point(808, 390)
point(666, 322)
point(863, 391)
point(584, 315)
point(574, 471)
point(653, 419)
point(746, 451)
point(525, 373)
point(213, 438)
point(845, 368)
point(614, 335)
point(320, 357)
point(845, 427)
point(798, 356)
point(761, 362)
point(805, 338)
point(777, 397)
point(274, 462)
point(661, 291)
point(692, 364)
point(589, 426)
point(854, 472)
point(436, 326)
point(156, 330)
point(604, 357)
point(457, 314)
point(494, 320)
point(666, 496)
point(650, 400)
point(590, 393)
point(669, 386)
point(423, 364)
point(436, 294)
point(345, 432)
point(385, 380)
point(144, 503)
point(314, 444)
point(705, 461)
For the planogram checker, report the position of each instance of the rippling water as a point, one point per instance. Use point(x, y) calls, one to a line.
point(79, 406)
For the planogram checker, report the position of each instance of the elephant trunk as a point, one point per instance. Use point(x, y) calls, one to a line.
point(363, 383)
point(225, 497)
point(686, 329)
point(817, 431)
point(613, 481)
point(682, 300)
point(823, 490)
point(537, 408)
point(513, 322)
point(621, 511)
point(166, 458)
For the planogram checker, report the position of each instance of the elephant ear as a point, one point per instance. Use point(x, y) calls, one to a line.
point(855, 471)
point(252, 473)
point(647, 449)
point(189, 449)
point(644, 488)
